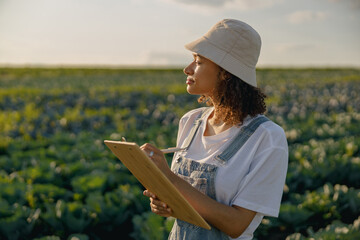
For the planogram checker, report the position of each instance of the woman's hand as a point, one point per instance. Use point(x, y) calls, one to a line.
point(158, 157)
point(157, 206)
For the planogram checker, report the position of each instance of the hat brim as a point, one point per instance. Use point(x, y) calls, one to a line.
point(224, 59)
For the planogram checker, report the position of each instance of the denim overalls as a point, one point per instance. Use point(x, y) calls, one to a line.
point(202, 176)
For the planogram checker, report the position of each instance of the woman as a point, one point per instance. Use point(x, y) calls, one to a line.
point(234, 165)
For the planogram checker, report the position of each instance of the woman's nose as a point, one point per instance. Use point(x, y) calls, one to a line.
point(189, 69)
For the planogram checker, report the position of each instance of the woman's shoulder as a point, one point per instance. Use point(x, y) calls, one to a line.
point(272, 127)
point(274, 133)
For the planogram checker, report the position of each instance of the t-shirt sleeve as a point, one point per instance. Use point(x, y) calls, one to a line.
point(264, 183)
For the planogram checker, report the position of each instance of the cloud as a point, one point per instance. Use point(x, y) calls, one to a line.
point(215, 3)
point(223, 4)
point(352, 4)
point(306, 16)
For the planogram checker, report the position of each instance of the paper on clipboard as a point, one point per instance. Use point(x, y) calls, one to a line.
point(151, 177)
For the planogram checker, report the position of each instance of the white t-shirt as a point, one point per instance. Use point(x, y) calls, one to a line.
point(254, 177)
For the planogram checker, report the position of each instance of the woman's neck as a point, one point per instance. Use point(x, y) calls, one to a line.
point(214, 125)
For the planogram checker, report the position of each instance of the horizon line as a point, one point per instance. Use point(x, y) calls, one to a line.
point(164, 66)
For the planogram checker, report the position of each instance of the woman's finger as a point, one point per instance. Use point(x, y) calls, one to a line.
point(157, 157)
point(158, 203)
point(160, 210)
point(149, 194)
point(158, 206)
point(150, 149)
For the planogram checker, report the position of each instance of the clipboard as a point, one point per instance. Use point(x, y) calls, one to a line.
point(151, 177)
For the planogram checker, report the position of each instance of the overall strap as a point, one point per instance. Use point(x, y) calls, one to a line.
point(195, 128)
point(240, 139)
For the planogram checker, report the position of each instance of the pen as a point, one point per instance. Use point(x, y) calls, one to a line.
point(171, 150)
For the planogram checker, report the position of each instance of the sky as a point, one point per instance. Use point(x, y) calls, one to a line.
point(295, 33)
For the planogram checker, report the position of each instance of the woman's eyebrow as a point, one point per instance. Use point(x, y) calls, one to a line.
point(197, 55)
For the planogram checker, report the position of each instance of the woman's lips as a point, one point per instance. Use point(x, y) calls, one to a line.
point(189, 81)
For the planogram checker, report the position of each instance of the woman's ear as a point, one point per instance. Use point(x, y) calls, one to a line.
point(224, 75)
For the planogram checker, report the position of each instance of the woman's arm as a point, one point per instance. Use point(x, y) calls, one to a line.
point(232, 220)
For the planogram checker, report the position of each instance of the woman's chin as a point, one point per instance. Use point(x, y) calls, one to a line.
point(192, 92)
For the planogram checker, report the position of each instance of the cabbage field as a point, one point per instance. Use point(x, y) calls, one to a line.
point(59, 181)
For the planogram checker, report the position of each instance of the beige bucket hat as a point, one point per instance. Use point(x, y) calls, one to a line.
point(233, 45)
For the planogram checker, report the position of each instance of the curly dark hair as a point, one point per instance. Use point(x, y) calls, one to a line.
point(236, 100)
